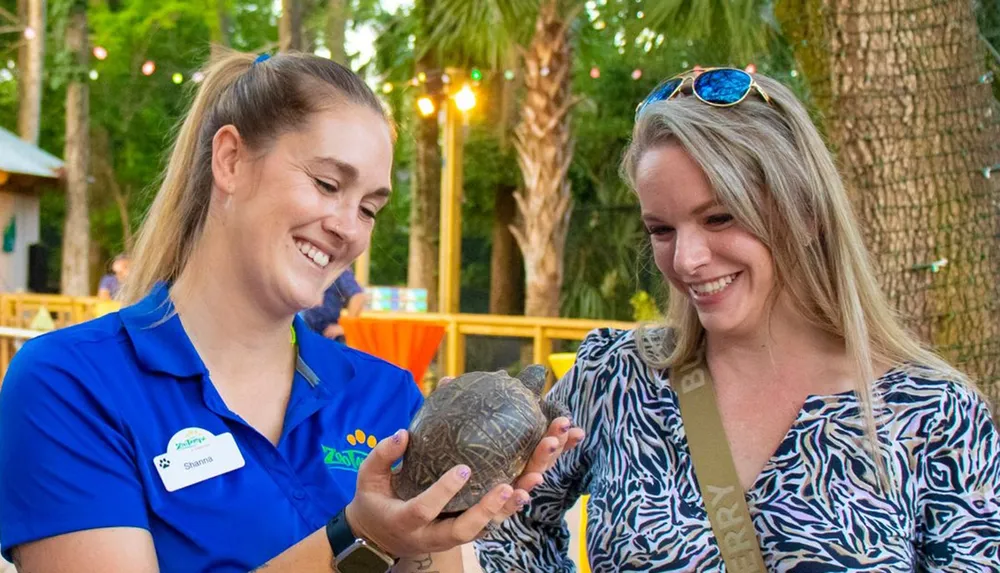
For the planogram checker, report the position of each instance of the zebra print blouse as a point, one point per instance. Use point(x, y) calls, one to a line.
point(815, 506)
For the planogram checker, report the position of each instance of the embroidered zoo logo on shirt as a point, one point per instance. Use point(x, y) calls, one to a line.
point(350, 458)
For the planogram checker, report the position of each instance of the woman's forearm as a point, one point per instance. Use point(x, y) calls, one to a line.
point(311, 555)
point(447, 562)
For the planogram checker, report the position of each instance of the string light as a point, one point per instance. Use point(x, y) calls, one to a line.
point(595, 72)
point(177, 78)
point(508, 75)
point(100, 52)
point(425, 105)
point(197, 77)
point(751, 69)
point(422, 77)
point(386, 88)
point(29, 33)
point(544, 71)
point(94, 75)
point(148, 68)
point(636, 74)
point(465, 99)
point(476, 75)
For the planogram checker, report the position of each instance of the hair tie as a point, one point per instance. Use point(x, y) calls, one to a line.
point(262, 58)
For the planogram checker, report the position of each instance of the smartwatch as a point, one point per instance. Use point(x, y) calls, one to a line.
point(354, 554)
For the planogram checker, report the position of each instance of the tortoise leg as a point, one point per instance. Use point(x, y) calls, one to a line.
point(553, 410)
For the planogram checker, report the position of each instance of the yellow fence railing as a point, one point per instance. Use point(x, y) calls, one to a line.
point(541, 330)
point(18, 312)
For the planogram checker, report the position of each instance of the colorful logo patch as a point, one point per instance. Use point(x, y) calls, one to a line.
point(350, 458)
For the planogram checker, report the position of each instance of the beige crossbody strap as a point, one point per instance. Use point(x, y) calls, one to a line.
point(713, 464)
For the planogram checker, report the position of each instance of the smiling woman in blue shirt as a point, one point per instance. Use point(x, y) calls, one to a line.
point(205, 427)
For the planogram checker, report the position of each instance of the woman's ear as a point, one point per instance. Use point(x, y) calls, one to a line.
point(225, 156)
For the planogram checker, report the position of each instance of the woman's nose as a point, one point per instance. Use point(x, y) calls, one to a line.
point(691, 252)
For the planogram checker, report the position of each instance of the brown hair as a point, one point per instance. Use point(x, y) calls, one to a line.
point(262, 99)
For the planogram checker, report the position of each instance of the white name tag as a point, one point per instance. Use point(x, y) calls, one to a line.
point(195, 455)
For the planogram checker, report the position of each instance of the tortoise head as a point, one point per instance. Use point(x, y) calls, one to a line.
point(533, 378)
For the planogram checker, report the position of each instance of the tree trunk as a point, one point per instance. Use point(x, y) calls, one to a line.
point(290, 26)
point(425, 203)
point(338, 13)
point(76, 235)
point(545, 149)
point(225, 22)
point(915, 125)
point(32, 61)
point(506, 264)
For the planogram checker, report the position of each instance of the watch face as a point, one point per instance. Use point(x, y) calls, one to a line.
point(360, 558)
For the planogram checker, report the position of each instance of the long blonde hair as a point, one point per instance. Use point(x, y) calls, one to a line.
point(262, 99)
point(769, 167)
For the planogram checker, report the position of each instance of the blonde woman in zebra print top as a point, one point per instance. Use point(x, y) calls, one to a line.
point(857, 448)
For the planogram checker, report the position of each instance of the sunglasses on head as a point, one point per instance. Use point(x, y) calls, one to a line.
point(719, 87)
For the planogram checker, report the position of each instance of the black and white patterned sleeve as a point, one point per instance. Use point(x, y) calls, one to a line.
point(537, 538)
point(960, 498)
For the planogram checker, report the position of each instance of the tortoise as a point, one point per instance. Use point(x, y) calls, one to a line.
point(485, 420)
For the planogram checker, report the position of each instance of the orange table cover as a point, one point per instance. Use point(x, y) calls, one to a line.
point(409, 344)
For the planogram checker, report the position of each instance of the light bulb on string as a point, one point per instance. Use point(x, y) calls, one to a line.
point(386, 88)
point(425, 105)
point(636, 74)
point(94, 75)
point(29, 33)
point(148, 68)
point(751, 69)
point(595, 72)
point(508, 75)
point(177, 78)
point(476, 75)
point(422, 77)
point(100, 52)
point(197, 77)
point(465, 99)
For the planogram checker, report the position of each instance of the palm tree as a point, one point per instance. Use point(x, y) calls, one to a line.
point(905, 99)
point(485, 30)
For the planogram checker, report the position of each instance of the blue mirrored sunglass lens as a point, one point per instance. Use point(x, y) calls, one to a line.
point(722, 87)
point(660, 93)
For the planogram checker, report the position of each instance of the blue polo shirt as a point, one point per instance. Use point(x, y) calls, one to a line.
point(85, 410)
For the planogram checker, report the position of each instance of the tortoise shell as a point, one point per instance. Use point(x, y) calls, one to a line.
point(485, 420)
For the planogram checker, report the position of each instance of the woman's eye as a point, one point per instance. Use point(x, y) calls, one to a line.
point(328, 187)
point(368, 212)
point(659, 230)
point(719, 220)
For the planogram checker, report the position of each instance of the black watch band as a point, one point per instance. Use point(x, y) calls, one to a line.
point(352, 554)
point(339, 534)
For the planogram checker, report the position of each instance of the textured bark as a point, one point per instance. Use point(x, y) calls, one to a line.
point(290, 35)
point(915, 126)
point(425, 203)
point(224, 21)
point(545, 149)
point(506, 264)
point(32, 60)
point(338, 13)
point(76, 234)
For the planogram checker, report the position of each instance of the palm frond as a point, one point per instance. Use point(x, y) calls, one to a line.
point(734, 23)
point(478, 32)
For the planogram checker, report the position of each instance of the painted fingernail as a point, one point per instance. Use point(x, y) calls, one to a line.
point(522, 502)
point(505, 495)
point(565, 428)
point(464, 472)
point(397, 437)
point(552, 449)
